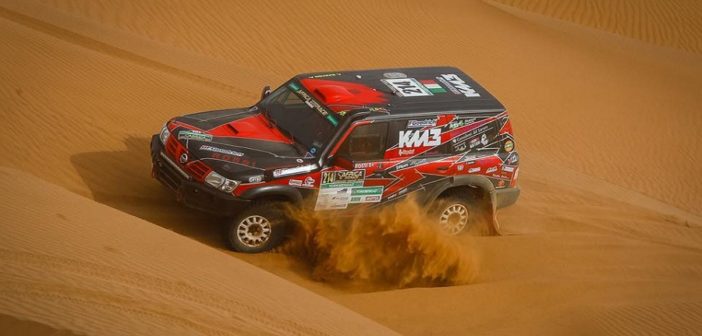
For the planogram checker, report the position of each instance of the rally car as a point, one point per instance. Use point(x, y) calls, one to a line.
point(345, 141)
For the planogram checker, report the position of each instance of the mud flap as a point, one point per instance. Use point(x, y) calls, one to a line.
point(489, 211)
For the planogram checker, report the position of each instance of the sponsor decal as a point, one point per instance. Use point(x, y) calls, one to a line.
point(484, 139)
point(394, 75)
point(459, 167)
point(325, 75)
point(457, 124)
point(407, 87)
point(378, 109)
point(346, 177)
point(403, 152)
point(432, 86)
point(363, 165)
point(256, 179)
point(491, 170)
point(183, 158)
point(295, 183)
point(459, 85)
point(420, 138)
point(513, 158)
point(336, 188)
point(309, 182)
point(220, 150)
point(474, 170)
point(299, 161)
point(508, 169)
point(461, 147)
point(402, 166)
point(366, 194)
point(313, 103)
point(474, 143)
point(509, 146)
point(421, 123)
point(194, 135)
point(472, 133)
point(233, 159)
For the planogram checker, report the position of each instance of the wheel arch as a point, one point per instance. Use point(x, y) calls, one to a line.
point(274, 192)
point(481, 188)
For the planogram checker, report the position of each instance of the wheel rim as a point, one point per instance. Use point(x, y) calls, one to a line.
point(454, 218)
point(254, 231)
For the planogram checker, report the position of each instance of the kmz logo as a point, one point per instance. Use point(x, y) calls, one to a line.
point(430, 137)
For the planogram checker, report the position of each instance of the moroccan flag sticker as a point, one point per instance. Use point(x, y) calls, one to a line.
point(433, 86)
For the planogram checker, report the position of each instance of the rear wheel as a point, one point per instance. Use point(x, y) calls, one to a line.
point(454, 214)
point(259, 228)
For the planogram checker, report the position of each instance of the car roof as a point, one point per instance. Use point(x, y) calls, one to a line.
point(397, 91)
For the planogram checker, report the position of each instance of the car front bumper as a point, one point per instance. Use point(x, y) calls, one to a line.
point(189, 192)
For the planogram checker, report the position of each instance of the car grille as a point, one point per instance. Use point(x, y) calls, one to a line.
point(199, 170)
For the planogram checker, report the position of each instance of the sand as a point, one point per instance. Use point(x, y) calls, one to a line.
point(604, 97)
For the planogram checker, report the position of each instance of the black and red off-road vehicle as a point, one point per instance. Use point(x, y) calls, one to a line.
point(345, 141)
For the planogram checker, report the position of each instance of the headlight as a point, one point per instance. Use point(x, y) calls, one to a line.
point(165, 133)
point(220, 182)
point(228, 186)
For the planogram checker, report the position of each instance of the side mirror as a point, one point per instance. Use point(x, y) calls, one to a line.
point(343, 162)
point(266, 91)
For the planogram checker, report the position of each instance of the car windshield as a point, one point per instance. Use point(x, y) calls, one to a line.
point(301, 117)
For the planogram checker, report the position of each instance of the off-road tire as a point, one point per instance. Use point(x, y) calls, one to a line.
point(260, 227)
point(454, 213)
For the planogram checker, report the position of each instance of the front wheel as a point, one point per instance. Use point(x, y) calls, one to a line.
point(259, 228)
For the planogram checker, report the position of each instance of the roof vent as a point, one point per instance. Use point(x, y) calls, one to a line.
point(333, 93)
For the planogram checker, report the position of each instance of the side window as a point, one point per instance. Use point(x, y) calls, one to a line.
point(366, 142)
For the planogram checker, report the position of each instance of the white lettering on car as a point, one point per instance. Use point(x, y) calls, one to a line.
point(460, 85)
point(419, 138)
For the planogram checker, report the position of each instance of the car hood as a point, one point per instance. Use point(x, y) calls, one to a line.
point(239, 144)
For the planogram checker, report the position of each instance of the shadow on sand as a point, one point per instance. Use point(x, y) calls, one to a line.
point(122, 180)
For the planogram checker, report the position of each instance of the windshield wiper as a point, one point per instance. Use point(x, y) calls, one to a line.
point(298, 146)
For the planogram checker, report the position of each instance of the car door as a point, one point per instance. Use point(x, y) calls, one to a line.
point(352, 178)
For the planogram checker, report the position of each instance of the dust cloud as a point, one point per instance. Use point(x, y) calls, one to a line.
point(396, 246)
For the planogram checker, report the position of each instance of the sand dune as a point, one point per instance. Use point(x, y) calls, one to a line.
point(75, 265)
point(676, 24)
point(604, 98)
